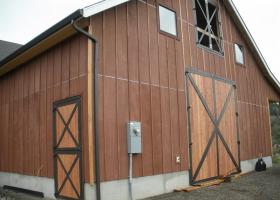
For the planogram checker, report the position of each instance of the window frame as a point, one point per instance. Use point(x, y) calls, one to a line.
point(243, 52)
point(176, 22)
point(220, 32)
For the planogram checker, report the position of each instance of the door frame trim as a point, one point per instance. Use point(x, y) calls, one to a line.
point(209, 75)
point(77, 100)
point(214, 77)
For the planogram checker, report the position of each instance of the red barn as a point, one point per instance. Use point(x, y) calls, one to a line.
point(167, 93)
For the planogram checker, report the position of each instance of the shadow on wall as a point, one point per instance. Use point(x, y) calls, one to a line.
point(274, 108)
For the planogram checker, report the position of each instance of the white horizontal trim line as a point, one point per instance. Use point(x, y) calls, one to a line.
point(252, 104)
point(139, 82)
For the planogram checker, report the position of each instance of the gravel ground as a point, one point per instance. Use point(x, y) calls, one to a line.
point(254, 186)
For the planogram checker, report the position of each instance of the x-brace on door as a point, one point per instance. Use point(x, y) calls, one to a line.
point(213, 126)
point(67, 149)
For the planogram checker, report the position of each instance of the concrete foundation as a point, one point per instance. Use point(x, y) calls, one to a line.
point(249, 165)
point(142, 187)
point(118, 190)
point(45, 185)
point(113, 190)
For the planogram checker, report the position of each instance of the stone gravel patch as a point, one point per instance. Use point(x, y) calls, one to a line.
point(254, 186)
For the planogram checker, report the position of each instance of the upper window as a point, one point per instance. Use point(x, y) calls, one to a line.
point(167, 21)
point(208, 25)
point(239, 54)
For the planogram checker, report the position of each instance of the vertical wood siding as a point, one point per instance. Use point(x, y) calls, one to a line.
point(26, 100)
point(142, 78)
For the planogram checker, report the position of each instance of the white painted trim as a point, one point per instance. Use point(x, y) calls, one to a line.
point(249, 165)
point(101, 6)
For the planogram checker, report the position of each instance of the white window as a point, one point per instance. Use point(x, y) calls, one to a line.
point(239, 54)
point(167, 21)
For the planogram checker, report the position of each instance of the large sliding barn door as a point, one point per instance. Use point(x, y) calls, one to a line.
point(68, 149)
point(213, 127)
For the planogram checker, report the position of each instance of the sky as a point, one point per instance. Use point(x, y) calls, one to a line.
point(22, 20)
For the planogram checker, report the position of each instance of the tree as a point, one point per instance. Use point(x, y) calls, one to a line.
point(275, 129)
point(274, 108)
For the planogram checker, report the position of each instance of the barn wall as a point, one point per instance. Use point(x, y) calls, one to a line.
point(134, 87)
point(142, 78)
point(26, 99)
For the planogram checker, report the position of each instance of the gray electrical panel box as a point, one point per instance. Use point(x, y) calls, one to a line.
point(134, 137)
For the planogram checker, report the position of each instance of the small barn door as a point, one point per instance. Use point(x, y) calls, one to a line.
point(213, 126)
point(68, 149)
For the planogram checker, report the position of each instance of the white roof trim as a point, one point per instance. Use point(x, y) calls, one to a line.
point(101, 6)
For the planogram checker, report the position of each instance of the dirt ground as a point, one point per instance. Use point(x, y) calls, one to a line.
point(254, 186)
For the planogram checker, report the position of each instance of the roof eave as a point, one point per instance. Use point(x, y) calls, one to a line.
point(75, 15)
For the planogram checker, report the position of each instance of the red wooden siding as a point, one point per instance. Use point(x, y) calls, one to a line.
point(26, 99)
point(142, 78)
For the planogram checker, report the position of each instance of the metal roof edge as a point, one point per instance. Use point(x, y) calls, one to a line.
point(75, 15)
point(101, 6)
point(252, 42)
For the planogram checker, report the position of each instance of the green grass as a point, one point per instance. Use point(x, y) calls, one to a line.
point(276, 156)
point(276, 159)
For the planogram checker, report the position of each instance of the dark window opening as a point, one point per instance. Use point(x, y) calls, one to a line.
point(213, 12)
point(200, 14)
point(215, 45)
point(208, 25)
point(204, 39)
